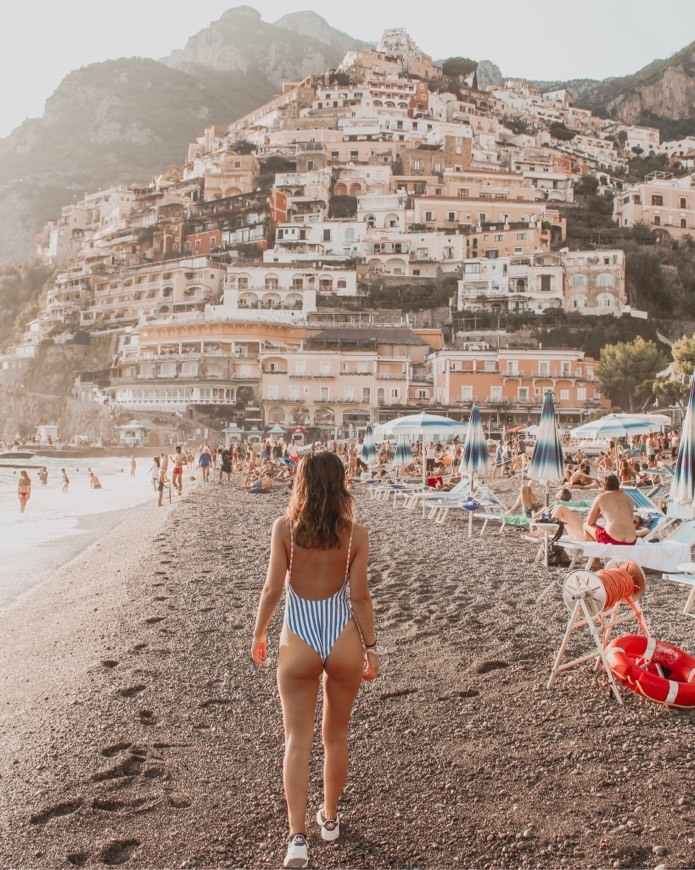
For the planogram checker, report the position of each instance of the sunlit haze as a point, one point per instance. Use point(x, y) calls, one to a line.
point(43, 41)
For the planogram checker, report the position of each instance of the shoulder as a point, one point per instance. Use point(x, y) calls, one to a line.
point(360, 534)
point(281, 528)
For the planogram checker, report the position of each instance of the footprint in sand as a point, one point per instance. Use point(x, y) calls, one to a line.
point(130, 766)
point(63, 809)
point(77, 859)
point(116, 806)
point(491, 665)
point(109, 663)
point(132, 691)
point(118, 851)
point(153, 620)
point(398, 693)
point(111, 751)
point(147, 717)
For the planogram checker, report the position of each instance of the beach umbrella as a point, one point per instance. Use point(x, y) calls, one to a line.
point(425, 426)
point(475, 456)
point(548, 462)
point(404, 452)
point(368, 447)
point(615, 426)
point(683, 483)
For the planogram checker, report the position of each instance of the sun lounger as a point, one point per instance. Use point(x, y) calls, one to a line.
point(686, 577)
point(659, 556)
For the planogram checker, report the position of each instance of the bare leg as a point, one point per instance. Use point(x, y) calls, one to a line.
point(344, 668)
point(589, 532)
point(571, 520)
point(299, 668)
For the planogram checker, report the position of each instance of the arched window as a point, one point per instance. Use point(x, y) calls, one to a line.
point(578, 301)
point(605, 280)
point(605, 300)
point(578, 281)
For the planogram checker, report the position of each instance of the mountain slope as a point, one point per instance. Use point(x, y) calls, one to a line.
point(123, 121)
point(660, 94)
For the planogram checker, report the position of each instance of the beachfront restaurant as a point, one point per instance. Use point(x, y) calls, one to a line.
point(134, 434)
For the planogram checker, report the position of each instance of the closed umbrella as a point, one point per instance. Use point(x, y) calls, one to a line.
point(404, 453)
point(548, 461)
point(368, 447)
point(683, 483)
point(475, 457)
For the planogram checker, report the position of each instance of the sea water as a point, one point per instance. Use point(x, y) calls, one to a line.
point(56, 525)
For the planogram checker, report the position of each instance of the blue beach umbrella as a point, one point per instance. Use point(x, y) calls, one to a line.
point(615, 426)
point(368, 448)
point(404, 453)
point(683, 483)
point(475, 457)
point(548, 462)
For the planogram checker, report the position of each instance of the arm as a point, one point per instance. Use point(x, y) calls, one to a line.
point(595, 512)
point(361, 599)
point(272, 591)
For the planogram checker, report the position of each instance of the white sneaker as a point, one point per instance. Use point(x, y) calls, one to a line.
point(297, 854)
point(330, 828)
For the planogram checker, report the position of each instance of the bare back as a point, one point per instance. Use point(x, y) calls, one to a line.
point(616, 508)
point(318, 574)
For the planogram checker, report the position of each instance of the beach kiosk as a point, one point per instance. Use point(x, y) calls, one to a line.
point(47, 434)
point(134, 434)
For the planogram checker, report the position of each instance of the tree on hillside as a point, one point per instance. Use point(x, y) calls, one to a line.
point(667, 392)
point(645, 280)
point(453, 67)
point(624, 367)
point(684, 354)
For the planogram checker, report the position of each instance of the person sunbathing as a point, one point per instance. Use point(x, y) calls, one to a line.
point(617, 510)
point(581, 478)
point(261, 485)
point(527, 501)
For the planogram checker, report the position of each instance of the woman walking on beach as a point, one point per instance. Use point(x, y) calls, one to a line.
point(321, 555)
point(23, 490)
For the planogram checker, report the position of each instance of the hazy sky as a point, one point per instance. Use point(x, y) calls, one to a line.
point(543, 39)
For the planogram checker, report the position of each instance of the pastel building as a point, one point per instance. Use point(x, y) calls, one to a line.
point(509, 384)
point(661, 201)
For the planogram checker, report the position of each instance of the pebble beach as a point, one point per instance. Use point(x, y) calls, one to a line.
point(137, 732)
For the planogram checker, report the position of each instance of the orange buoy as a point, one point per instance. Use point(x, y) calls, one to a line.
point(653, 668)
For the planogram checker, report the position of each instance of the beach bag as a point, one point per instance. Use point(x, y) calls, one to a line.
point(557, 557)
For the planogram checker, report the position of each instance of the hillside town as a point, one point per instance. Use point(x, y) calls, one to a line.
point(236, 287)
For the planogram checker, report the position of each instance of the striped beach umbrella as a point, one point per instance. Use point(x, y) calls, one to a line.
point(683, 483)
point(475, 457)
point(548, 462)
point(369, 453)
point(404, 452)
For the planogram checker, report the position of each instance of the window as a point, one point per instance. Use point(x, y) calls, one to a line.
point(300, 367)
point(546, 283)
point(581, 394)
point(334, 155)
point(417, 166)
point(564, 395)
point(451, 216)
point(566, 369)
point(512, 367)
point(429, 216)
point(395, 393)
point(436, 167)
point(294, 394)
point(490, 365)
point(472, 268)
point(499, 237)
point(544, 369)
point(495, 394)
point(521, 236)
point(684, 202)
point(605, 280)
point(466, 394)
point(325, 368)
point(578, 281)
point(604, 300)
point(684, 223)
point(482, 217)
point(354, 155)
point(309, 165)
point(657, 199)
point(366, 395)
point(326, 235)
point(657, 221)
point(273, 391)
point(323, 394)
point(522, 395)
point(349, 394)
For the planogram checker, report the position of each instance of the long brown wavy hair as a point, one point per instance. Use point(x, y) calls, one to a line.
point(321, 510)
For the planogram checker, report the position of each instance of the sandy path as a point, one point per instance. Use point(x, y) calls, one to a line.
point(145, 736)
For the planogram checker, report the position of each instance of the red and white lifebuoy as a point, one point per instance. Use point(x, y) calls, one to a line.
point(653, 668)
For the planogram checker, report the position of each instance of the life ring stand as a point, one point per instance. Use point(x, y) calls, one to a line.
point(658, 670)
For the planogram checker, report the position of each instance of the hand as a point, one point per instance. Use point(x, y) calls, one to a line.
point(258, 651)
point(371, 666)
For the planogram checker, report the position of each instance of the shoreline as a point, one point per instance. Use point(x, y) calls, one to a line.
point(137, 731)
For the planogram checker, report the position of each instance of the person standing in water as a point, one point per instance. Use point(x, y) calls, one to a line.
point(66, 480)
point(319, 555)
point(23, 490)
point(133, 466)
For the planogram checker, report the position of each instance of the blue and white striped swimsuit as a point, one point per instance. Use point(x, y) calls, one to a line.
point(318, 622)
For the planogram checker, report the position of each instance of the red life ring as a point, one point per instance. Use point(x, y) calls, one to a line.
point(653, 668)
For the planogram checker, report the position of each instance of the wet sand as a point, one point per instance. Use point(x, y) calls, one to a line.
point(136, 730)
